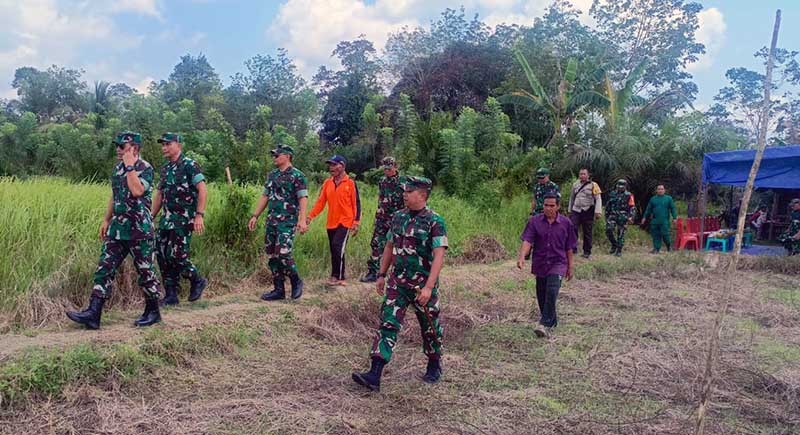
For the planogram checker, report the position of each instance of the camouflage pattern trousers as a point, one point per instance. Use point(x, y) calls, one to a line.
point(279, 244)
point(114, 252)
point(173, 257)
point(377, 244)
point(792, 246)
point(615, 232)
point(393, 311)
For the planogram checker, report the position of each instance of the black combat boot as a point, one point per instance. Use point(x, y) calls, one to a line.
point(89, 317)
point(170, 296)
point(297, 286)
point(371, 276)
point(151, 314)
point(433, 371)
point(618, 252)
point(372, 378)
point(278, 293)
point(198, 285)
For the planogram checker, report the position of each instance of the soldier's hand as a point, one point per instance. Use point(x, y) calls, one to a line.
point(251, 225)
point(199, 225)
point(630, 221)
point(103, 229)
point(424, 295)
point(128, 158)
point(302, 227)
point(643, 221)
point(379, 285)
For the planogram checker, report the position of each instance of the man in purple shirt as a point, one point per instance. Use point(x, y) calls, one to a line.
point(552, 237)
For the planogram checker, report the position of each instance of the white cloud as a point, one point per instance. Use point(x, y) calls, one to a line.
point(143, 86)
point(144, 7)
point(711, 33)
point(310, 29)
point(40, 33)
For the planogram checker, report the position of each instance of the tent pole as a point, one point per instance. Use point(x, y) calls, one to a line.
point(702, 206)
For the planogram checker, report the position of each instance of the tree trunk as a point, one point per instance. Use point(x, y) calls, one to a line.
point(730, 286)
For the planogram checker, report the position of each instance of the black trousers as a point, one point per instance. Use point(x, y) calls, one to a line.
point(337, 239)
point(547, 288)
point(584, 220)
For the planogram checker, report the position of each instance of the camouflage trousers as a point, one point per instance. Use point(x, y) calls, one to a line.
point(792, 246)
point(393, 311)
point(279, 244)
point(173, 256)
point(114, 252)
point(615, 231)
point(377, 244)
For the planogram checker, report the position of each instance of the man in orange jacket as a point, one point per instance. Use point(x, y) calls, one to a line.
point(340, 193)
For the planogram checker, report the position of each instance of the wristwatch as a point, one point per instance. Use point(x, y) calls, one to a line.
point(381, 275)
point(200, 213)
point(129, 168)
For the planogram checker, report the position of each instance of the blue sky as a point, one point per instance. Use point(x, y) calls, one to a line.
point(136, 41)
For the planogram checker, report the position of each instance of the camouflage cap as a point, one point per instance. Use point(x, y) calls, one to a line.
point(794, 201)
point(170, 137)
point(388, 162)
point(542, 172)
point(622, 182)
point(127, 136)
point(413, 183)
point(282, 149)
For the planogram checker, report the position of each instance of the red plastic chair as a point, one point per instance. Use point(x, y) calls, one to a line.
point(683, 238)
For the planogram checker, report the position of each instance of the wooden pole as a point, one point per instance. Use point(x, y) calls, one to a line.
point(713, 342)
point(228, 175)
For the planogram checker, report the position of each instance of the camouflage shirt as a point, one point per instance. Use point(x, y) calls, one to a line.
point(178, 187)
point(414, 238)
point(540, 190)
point(620, 206)
point(284, 190)
point(131, 219)
point(390, 197)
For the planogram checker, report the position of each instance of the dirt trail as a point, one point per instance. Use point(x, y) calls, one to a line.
point(117, 325)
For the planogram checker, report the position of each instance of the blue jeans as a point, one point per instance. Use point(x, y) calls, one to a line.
point(546, 294)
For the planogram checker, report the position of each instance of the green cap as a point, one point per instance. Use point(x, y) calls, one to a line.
point(622, 182)
point(413, 183)
point(388, 162)
point(542, 172)
point(127, 136)
point(170, 137)
point(282, 149)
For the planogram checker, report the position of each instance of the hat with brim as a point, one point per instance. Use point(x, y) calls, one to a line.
point(388, 162)
point(336, 160)
point(415, 183)
point(127, 137)
point(282, 149)
point(170, 137)
point(542, 172)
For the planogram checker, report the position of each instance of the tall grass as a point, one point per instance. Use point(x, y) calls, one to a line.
point(50, 246)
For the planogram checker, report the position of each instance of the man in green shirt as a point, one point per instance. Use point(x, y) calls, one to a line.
point(659, 210)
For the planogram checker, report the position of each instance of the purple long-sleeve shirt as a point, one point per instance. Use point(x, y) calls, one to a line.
point(550, 244)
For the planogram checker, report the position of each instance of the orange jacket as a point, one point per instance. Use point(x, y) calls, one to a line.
point(344, 203)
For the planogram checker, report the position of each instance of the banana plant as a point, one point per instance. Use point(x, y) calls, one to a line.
point(561, 108)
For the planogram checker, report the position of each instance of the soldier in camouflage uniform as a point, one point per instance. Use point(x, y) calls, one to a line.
point(127, 229)
point(390, 199)
point(791, 237)
point(620, 210)
point(182, 194)
point(415, 247)
point(286, 195)
point(542, 187)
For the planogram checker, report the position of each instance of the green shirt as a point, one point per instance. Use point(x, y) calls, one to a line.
point(178, 187)
point(130, 218)
point(414, 236)
point(284, 190)
point(660, 208)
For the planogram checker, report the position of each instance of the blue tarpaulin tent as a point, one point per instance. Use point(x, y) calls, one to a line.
point(780, 168)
